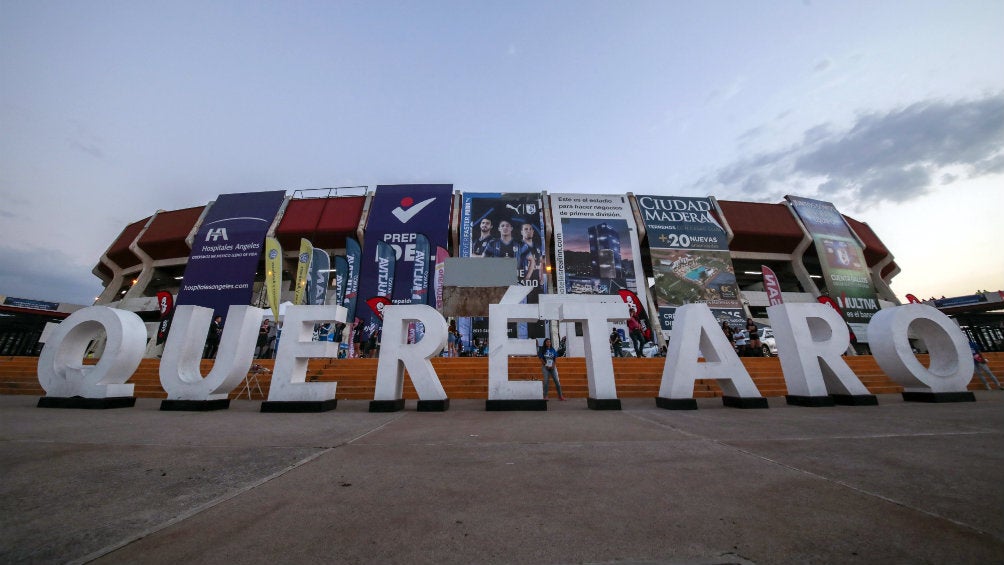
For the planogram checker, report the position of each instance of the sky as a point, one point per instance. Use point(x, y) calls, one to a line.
point(893, 111)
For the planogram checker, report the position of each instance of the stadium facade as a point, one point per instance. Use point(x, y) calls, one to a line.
point(680, 249)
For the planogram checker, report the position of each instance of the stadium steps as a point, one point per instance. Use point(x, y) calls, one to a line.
point(467, 377)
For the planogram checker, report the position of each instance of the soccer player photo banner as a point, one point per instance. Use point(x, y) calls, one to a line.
point(507, 224)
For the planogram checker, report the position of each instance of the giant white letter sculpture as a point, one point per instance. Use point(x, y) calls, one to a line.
point(811, 339)
point(696, 334)
point(68, 383)
point(599, 366)
point(289, 391)
point(396, 356)
point(180, 374)
point(504, 394)
point(951, 366)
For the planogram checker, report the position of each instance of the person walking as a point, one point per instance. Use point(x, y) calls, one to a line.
point(981, 368)
point(548, 367)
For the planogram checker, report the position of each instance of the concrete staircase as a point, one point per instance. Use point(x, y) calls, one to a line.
point(467, 377)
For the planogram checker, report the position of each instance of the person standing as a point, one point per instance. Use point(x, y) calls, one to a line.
point(637, 335)
point(754, 339)
point(615, 343)
point(452, 337)
point(548, 367)
point(213, 338)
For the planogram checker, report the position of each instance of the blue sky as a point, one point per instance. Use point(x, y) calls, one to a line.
point(893, 111)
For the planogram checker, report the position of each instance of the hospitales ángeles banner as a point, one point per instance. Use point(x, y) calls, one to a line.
point(848, 280)
point(398, 213)
point(505, 225)
point(690, 258)
point(226, 249)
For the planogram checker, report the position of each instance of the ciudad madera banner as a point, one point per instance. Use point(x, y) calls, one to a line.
point(505, 225)
point(690, 258)
point(398, 213)
point(221, 266)
point(848, 280)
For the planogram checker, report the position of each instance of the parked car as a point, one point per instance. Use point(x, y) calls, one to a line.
point(767, 342)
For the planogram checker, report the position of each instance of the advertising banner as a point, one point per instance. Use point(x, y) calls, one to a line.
point(596, 248)
point(341, 277)
point(165, 303)
point(385, 265)
point(420, 271)
point(439, 277)
point(303, 271)
point(505, 225)
point(398, 213)
point(690, 258)
point(353, 261)
point(771, 286)
point(226, 249)
point(320, 275)
point(848, 280)
point(273, 274)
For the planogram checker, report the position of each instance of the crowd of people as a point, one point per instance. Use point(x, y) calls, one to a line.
point(745, 338)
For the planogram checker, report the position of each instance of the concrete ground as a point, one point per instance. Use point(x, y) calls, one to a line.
point(895, 483)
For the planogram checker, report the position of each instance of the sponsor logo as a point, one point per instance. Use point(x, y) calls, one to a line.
point(304, 257)
point(408, 209)
point(217, 233)
point(272, 254)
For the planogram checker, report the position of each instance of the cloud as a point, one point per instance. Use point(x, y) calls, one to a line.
point(891, 156)
point(46, 275)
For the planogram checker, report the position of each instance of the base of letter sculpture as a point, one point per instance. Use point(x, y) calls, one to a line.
point(194, 405)
point(86, 403)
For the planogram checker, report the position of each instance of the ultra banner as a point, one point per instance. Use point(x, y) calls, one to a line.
point(690, 258)
point(504, 225)
point(848, 280)
point(398, 213)
point(225, 252)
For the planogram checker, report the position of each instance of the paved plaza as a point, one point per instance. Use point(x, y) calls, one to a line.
point(895, 483)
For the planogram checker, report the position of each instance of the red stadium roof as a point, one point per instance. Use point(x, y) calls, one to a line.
point(165, 238)
point(324, 221)
point(761, 228)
